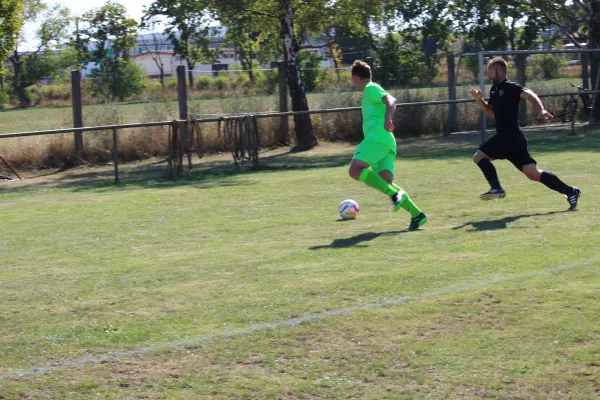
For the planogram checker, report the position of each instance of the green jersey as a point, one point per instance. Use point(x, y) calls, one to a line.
point(373, 113)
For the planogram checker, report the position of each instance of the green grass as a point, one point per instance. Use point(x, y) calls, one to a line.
point(89, 268)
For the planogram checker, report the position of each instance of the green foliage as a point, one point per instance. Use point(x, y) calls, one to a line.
point(203, 82)
point(128, 80)
point(187, 28)
point(310, 63)
point(114, 35)
point(33, 95)
point(46, 60)
point(547, 66)
point(398, 65)
point(221, 82)
point(4, 99)
point(266, 80)
point(471, 62)
point(11, 22)
point(240, 80)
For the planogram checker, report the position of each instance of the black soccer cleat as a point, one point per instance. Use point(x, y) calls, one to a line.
point(493, 194)
point(574, 198)
point(417, 221)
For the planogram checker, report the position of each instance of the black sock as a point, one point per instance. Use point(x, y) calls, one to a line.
point(554, 183)
point(489, 171)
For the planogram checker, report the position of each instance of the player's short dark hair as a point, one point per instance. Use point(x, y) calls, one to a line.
point(361, 69)
point(499, 61)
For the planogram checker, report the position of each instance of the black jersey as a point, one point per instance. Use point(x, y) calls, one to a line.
point(505, 99)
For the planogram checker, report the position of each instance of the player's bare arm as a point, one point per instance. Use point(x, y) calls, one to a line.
point(390, 108)
point(485, 107)
point(538, 107)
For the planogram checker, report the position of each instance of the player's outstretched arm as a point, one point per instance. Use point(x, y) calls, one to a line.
point(538, 107)
point(485, 107)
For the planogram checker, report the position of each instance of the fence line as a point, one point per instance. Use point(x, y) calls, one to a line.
point(186, 122)
point(256, 115)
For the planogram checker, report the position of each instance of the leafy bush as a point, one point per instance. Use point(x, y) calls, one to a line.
point(310, 63)
point(203, 82)
point(129, 79)
point(547, 66)
point(398, 65)
point(33, 95)
point(4, 99)
point(222, 81)
point(266, 80)
point(241, 80)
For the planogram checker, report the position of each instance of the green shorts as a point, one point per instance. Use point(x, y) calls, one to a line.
point(377, 155)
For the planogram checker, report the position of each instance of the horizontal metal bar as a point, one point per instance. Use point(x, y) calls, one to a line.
point(86, 129)
point(490, 53)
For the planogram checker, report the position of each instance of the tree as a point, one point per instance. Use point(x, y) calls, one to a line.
point(187, 28)
point(153, 44)
point(291, 21)
point(242, 33)
point(113, 36)
point(426, 25)
point(306, 137)
point(29, 68)
point(481, 28)
point(11, 22)
point(399, 65)
point(579, 22)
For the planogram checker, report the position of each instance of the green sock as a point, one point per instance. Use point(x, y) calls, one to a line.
point(409, 206)
point(373, 179)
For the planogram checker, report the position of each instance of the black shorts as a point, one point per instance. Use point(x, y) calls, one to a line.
point(511, 148)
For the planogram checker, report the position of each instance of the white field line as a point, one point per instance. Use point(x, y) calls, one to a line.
point(284, 324)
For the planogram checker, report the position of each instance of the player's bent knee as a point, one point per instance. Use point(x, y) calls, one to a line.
point(478, 156)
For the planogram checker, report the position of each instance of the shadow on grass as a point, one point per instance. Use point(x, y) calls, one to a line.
point(355, 241)
point(225, 173)
point(494, 224)
point(203, 175)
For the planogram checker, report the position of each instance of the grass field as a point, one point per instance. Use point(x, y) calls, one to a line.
point(222, 285)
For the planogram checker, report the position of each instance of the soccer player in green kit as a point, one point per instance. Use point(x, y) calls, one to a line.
point(373, 161)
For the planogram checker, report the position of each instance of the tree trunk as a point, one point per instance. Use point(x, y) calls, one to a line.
point(161, 69)
point(246, 61)
point(305, 134)
point(19, 85)
point(585, 70)
point(190, 74)
point(452, 109)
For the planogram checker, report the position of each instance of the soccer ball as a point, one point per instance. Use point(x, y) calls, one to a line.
point(348, 209)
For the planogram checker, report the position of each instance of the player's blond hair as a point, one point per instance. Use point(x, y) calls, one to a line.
point(361, 69)
point(499, 61)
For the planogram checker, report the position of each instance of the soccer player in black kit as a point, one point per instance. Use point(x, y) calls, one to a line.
point(509, 142)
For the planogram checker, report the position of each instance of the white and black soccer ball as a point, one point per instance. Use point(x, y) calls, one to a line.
point(348, 209)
